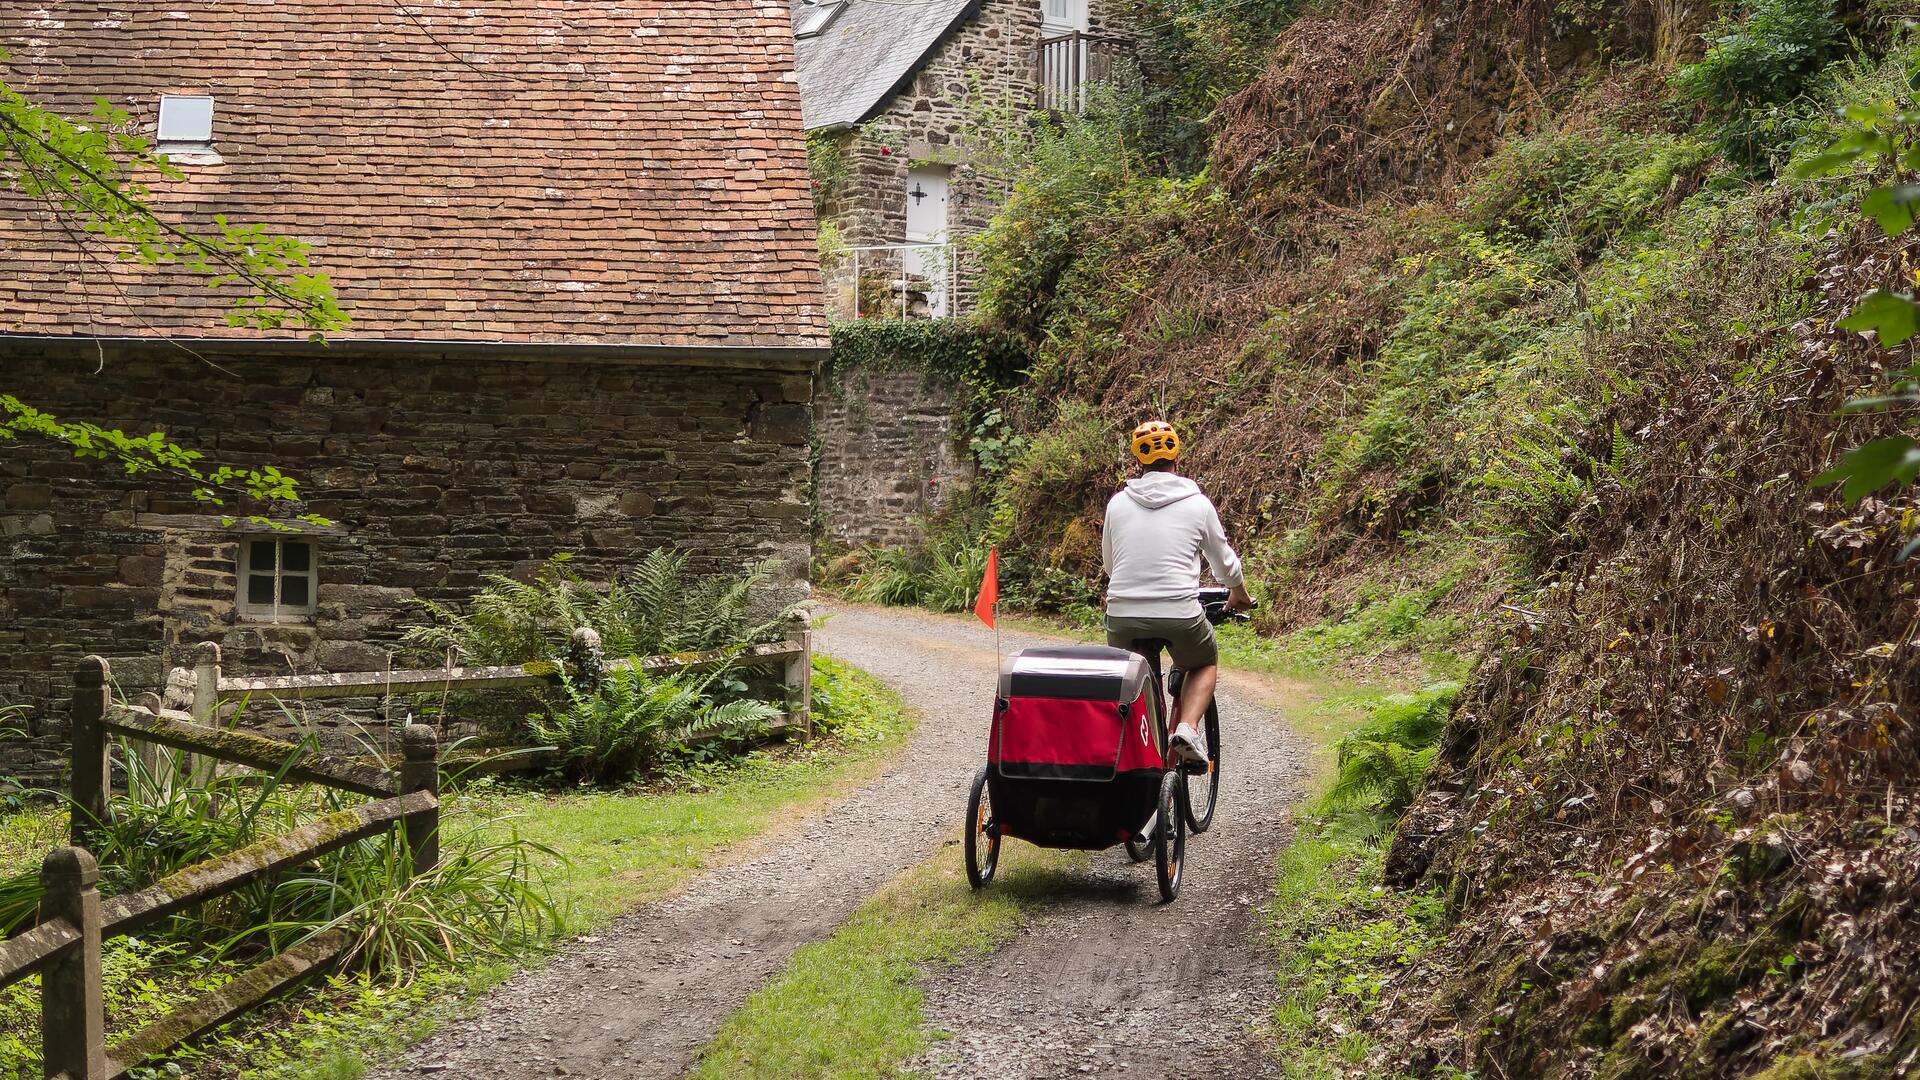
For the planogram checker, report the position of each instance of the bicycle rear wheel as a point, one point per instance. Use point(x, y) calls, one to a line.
point(1200, 792)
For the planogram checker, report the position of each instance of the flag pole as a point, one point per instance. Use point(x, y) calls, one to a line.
point(997, 654)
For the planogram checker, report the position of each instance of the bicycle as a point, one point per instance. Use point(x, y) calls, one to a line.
point(1198, 814)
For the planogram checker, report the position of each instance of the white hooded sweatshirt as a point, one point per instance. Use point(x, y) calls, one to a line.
point(1157, 529)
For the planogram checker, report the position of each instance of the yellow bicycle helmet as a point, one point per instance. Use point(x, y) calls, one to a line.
point(1154, 441)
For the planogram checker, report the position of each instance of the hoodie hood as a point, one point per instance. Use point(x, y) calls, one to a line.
point(1157, 489)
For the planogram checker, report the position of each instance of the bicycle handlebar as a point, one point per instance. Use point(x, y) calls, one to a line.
point(1214, 603)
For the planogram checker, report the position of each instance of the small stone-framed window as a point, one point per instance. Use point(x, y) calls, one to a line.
point(277, 578)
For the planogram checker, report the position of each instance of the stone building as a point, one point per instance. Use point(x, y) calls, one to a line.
point(891, 91)
point(578, 250)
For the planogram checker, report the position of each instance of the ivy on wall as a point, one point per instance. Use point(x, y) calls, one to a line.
point(980, 363)
point(955, 350)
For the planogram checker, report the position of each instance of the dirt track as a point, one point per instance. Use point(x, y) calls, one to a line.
point(1090, 982)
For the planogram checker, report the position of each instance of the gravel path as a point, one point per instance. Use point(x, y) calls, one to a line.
point(641, 998)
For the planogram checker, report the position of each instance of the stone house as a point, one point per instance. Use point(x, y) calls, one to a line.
point(890, 91)
point(577, 246)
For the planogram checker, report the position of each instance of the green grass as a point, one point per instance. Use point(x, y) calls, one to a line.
point(849, 1007)
point(611, 851)
point(1337, 932)
point(28, 833)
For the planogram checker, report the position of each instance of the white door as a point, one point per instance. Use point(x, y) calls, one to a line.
point(927, 225)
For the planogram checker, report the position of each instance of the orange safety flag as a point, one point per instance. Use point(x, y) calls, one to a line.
point(989, 588)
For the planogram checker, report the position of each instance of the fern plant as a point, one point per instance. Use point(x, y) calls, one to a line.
point(1388, 773)
point(625, 725)
point(653, 607)
point(1382, 763)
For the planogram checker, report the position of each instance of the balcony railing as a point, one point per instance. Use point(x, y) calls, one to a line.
point(896, 281)
point(1068, 63)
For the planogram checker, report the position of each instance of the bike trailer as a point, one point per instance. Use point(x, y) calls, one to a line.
point(1074, 754)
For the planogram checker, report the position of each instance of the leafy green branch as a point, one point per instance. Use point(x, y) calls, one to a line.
point(155, 454)
point(89, 173)
point(86, 174)
point(1884, 135)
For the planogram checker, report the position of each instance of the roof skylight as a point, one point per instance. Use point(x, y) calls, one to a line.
point(184, 130)
point(185, 118)
point(815, 16)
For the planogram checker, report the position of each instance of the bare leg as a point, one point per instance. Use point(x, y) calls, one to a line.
point(1195, 693)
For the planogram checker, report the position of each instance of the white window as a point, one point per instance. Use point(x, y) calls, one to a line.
point(276, 578)
point(815, 16)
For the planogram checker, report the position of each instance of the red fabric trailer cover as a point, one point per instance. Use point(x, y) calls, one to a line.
point(1068, 739)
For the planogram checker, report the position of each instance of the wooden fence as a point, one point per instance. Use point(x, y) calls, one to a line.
point(65, 946)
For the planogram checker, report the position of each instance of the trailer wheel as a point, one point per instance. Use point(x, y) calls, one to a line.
point(981, 829)
point(1170, 838)
point(1138, 851)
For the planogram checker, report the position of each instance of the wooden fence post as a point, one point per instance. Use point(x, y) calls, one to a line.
point(799, 681)
point(154, 761)
point(420, 771)
point(72, 1020)
point(91, 772)
point(206, 705)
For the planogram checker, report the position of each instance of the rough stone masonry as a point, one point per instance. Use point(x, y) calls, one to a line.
point(436, 469)
point(888, 454)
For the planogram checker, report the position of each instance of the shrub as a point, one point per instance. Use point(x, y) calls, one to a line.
point(892, 576)
point(651, 608)
point(1065, 173)
point(1765, 59)
point(1065, 472)
point(1193, 53)
point(625, 725)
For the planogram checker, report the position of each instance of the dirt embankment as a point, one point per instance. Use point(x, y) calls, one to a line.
point(1677, 815)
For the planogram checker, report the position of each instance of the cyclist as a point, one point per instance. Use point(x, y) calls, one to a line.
point(1156, 531)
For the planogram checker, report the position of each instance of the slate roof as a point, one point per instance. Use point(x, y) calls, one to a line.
point(613, 172)
point(850, 69)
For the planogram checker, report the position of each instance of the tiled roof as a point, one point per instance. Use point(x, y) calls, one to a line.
point(607, 172)
point(853, 66)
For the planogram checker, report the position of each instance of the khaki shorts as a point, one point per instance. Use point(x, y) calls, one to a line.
point(1189, 641)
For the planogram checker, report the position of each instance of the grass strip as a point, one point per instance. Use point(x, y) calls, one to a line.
point(849, 1007)
point(1339, 934)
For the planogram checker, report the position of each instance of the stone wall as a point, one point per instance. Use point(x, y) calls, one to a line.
point(436, 471)
point(887, 453)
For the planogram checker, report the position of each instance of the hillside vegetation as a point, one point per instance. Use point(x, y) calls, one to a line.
point(1509, 327)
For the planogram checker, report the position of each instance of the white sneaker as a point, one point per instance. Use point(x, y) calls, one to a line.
point(1189, 745)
